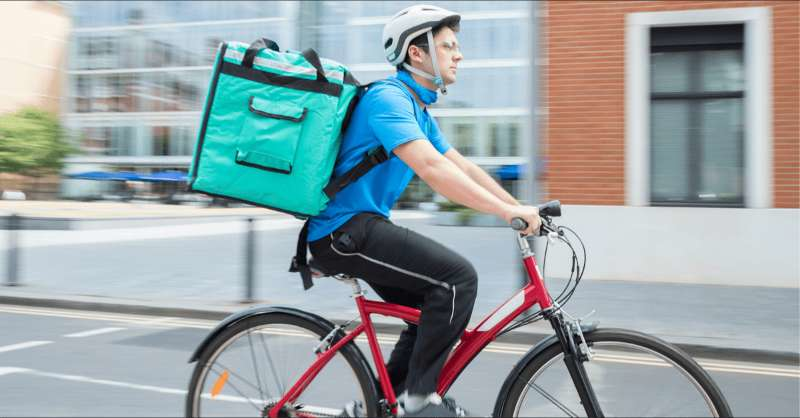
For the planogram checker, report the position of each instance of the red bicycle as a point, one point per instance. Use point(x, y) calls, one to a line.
point(284, 362)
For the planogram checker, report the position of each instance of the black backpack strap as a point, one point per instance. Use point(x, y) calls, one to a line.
point(371, 159)
point(300, 260)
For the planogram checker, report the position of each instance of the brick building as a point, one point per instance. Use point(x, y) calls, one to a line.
point(677, 123)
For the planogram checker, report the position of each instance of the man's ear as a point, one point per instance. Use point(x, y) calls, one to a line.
point(415, 53)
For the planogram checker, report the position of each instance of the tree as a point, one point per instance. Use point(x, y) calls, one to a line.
point(32, 142)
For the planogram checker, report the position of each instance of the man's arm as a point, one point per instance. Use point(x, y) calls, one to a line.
point(478, 175)
point(448, 179)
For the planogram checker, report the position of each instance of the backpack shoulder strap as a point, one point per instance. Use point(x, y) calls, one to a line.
point(370, 160)
point(300, 260)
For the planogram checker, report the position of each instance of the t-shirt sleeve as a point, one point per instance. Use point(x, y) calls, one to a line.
point(437, 139)
point(392, 119)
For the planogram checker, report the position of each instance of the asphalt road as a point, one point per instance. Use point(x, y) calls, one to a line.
point(76, 363)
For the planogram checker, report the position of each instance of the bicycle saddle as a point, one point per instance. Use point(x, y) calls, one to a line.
point(317, 270)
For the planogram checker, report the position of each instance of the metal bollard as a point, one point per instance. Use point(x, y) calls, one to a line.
point(12, 255)
point(249, 259)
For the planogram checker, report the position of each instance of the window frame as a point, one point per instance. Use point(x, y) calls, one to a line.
point(758, 149)
point(696, 97)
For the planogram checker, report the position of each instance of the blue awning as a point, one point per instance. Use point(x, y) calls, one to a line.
point(168, 176)
point(511, 171)
point(99, 175)
point(162, 176)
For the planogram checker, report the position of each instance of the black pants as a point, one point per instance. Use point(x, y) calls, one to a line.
point(406, 268)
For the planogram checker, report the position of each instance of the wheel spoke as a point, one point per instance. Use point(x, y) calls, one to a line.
point(552, 399)
point(224, 374)
point(632, 375)
point(256, 406)
point(278, 385)
point(255, 365)
point(233, 374)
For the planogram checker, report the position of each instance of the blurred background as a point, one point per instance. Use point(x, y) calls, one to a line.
point(646, 112)
point(668, 129)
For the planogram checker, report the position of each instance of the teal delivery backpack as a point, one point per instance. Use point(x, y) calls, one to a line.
point(272, 126)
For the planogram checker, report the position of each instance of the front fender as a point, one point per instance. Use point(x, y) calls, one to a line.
point(237, 317)
point(523, 362)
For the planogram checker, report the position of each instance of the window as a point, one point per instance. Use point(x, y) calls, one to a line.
point(696, 116)
point(121, 141)
point(503, 139)
point(464, 138)
point(161, 140)
point(94, 141)
point(181, 140)
point(82, 94)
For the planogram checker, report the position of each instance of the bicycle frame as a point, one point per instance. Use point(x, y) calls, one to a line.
point(471, 343)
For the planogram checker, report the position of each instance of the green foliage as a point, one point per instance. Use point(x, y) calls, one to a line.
point(465, 214)
point(450, 206)
point(32, 142)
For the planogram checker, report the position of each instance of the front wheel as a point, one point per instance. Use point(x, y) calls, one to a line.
point(632, 374)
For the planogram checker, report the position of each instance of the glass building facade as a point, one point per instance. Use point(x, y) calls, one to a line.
point(139, 70)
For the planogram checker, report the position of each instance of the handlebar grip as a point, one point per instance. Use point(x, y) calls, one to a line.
point(519, 224)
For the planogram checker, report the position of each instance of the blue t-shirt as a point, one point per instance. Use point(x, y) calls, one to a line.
point(388, 116)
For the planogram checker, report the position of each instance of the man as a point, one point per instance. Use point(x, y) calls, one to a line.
point(353, 234)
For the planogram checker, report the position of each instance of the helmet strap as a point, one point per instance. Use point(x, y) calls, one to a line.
point(436, 78)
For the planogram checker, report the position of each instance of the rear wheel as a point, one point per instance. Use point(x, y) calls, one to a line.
point(250, 366)
point(632, 374)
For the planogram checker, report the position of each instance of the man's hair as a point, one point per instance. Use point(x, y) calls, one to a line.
point(421, 41)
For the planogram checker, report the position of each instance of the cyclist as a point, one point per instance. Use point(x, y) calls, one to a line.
point(354, 236)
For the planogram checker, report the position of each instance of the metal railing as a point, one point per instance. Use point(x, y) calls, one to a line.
point(14, 224)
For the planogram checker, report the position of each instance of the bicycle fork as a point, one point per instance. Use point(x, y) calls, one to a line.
point(574, 359)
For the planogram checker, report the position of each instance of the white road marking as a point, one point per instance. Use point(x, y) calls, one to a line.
point(499, 348)
point(11, 370)
point(94, 332)
point(127, 385)
point(22, 346)
point(85, 379)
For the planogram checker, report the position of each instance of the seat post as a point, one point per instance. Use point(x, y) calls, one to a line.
point(353, 282)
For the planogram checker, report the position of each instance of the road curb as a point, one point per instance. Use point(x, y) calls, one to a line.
point(515, 337)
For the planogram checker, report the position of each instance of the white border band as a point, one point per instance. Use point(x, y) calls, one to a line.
point(757, 107)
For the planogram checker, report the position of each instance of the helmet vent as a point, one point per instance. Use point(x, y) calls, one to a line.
point(388, 43)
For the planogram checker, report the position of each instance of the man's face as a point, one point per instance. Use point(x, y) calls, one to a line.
point(448, 55)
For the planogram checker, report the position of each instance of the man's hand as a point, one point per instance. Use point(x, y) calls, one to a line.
point(529, 214)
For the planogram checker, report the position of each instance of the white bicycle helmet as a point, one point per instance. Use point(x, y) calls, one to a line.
point(407, 25)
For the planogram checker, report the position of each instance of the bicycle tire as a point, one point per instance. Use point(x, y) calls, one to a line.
point(519, 381)
point(316, 328)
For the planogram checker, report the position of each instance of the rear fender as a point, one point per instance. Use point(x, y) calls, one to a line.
point(238, 317)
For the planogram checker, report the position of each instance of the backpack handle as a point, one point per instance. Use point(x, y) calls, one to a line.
point(257, 46)
point(313, 58)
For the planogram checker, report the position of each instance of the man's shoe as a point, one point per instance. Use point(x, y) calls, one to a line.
point(438, 407)
point(352, 409)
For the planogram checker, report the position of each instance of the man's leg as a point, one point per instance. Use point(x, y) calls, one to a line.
point(383, 254)
point(397, 366)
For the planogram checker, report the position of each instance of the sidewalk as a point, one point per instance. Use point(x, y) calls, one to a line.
point(70, 215)
point(735, 322)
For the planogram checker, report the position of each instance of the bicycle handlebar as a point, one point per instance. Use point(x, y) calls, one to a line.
point(546, 210)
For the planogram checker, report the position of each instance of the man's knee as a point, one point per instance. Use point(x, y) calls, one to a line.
point(467, 276)
point(467, 280)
